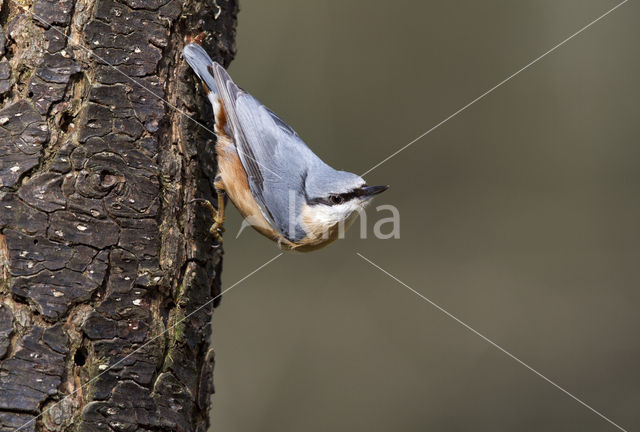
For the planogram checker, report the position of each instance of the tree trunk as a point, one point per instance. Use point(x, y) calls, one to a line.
point(101, 254)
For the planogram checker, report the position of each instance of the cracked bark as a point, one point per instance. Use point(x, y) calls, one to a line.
point(100, 252)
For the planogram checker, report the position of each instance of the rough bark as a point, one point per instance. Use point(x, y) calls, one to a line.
point(100, 252)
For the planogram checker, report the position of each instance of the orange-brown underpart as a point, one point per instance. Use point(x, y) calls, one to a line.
point(221, 120)
point(237, 187)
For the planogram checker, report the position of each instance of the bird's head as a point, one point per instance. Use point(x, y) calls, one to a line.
point(335, 200)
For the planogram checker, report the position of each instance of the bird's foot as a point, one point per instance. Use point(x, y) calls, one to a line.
point(217, 228)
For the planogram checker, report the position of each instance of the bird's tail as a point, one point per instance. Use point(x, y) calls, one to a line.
point(202, 65)
point(205, 68)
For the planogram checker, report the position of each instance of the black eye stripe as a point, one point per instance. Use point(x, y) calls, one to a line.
point(331, 199)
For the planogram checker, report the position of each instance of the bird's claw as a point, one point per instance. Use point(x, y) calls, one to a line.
point(216, 230)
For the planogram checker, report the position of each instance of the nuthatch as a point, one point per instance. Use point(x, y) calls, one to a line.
point(277, 183)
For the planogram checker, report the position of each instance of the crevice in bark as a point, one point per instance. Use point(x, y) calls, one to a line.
point(4, 12)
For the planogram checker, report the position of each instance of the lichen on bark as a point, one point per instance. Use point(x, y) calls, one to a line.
point(100, 252)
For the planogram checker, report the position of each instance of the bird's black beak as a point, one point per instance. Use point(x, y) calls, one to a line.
point(370, 191)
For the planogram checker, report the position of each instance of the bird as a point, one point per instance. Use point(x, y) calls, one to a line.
point(286, 192)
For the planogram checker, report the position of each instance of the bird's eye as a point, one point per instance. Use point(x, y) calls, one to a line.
point(336, 199)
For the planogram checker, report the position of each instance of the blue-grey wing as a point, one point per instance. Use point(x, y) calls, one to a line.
point(274, 157)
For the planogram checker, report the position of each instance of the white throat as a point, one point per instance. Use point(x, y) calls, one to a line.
point(324, 221)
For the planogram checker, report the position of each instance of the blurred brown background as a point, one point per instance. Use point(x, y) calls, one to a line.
point(520, 216)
